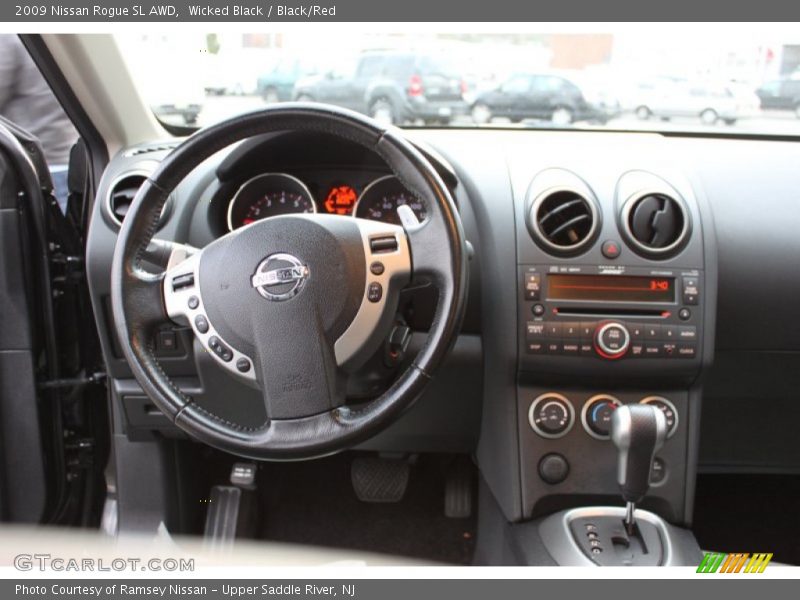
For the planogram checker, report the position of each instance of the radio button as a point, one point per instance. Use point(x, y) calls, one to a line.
point(571, 331)
point(553, 347)
point(587, 329)
point(691, 290)
point(669, 332)
point(535, 348)
point(553, 330)
point(637, 350)
point(571, 348)
point(653, 351)
point(637, 331)
point(535, 330)
point(670, 349)
point(533, 286)
point(586, 349)
point(687, 350)
point(537, 310)
point(652, 332)
point(687, 333)
point(612, 340)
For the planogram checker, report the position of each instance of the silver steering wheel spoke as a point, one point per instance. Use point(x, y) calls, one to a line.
point(184, 304)
point(388, 260)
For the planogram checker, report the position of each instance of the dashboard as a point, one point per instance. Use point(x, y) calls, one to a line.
point(608, 268)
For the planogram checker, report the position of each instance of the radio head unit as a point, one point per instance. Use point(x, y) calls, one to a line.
point(602, 313)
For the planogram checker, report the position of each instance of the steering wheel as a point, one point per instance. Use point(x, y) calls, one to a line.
point(291, 304)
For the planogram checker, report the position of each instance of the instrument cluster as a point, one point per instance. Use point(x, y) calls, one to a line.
point(273, 194)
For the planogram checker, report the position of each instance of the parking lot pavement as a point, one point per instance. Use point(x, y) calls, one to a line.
point(217, 108)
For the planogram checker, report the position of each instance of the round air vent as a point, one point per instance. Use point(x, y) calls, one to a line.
point(121, 195)
point(563, 221)
point(656, 225)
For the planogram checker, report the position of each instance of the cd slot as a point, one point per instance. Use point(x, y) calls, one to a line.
point(615, 313)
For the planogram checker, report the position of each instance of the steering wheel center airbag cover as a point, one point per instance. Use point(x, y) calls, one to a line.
point(325, 280)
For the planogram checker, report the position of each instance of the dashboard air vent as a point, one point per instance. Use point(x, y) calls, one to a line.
point(563, 221)
point(656, 224)
point(122, 193)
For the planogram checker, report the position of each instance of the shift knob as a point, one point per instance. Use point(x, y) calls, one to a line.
point(638, 431)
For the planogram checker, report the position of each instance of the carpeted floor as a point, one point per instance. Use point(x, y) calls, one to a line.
point(749, 513)
point(314, 503)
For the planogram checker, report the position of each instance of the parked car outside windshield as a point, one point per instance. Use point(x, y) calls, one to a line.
point(392, 87)
point(781, 94)
point(617, 78)
point(553, 98)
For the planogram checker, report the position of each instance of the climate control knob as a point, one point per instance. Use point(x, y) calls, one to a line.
point(611, 339)
point(551, 415)
point(597, 413)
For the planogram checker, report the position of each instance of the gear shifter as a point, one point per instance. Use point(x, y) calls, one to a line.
point(638, 431)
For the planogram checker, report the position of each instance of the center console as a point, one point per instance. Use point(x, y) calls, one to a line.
point(616, 296)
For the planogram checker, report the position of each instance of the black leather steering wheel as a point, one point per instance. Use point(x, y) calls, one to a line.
point(291, 304)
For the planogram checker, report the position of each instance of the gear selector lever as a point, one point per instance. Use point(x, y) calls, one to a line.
point(638, 432)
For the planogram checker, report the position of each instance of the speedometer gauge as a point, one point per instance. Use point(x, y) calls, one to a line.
point(266, 196)
point(381, 198)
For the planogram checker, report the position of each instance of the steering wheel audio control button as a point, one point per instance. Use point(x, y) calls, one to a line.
point(385, 243)
point(193, 302)
point(374, 292)
point(201, 323)
point(243, 365)
point(377, 268)
point(220, 349)
point(180, 282)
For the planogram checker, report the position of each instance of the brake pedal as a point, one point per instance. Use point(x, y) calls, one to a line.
point(379, 479)
point(458, 490)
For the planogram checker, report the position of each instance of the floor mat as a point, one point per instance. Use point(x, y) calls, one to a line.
point(749, 513)
point(314, 503)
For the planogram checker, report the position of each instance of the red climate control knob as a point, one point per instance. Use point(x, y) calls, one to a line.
point(611, 340)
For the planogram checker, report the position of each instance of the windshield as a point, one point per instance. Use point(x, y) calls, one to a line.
point(629, 79)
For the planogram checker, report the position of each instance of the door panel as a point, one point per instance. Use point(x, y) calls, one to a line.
point(22, 487)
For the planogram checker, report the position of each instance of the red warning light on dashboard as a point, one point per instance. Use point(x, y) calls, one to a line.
point(340, 200)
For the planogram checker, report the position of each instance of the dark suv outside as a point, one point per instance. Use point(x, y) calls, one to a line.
point(541, 96)
point(392, 87)
point(781, 94)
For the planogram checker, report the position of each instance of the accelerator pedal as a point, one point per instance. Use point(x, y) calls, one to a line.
point(458, 490)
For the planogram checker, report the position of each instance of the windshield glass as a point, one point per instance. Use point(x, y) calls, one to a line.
point(633, 78)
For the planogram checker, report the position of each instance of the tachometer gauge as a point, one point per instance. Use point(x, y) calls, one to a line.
point(266, 196)
point(380, 199)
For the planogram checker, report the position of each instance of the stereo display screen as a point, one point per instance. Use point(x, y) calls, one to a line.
point(611, 288)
